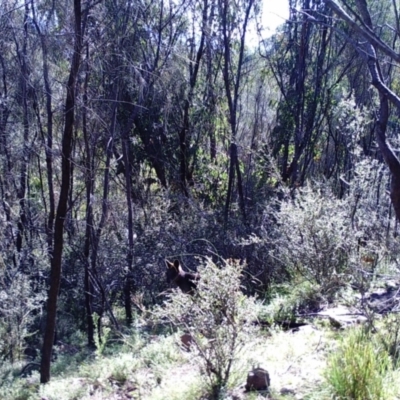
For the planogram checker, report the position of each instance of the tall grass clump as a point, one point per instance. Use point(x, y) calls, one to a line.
point(360, 368)
point(219, 318)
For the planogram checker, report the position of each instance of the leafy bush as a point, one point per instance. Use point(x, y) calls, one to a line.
point(289, 300)
point(359, 368)
point(388, 336)
point(314, 239)
point(218, 317)
point(332, 241)
point(18, 305)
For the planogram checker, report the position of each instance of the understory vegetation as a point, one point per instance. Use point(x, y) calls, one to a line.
point(264, 167)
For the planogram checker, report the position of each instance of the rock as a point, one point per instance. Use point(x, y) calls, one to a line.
point(384, 300)
point(287, 391)
point(341, 317)
point(258, 379)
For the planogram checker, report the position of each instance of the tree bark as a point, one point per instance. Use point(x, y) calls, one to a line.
point(232, 85)
point(89, 234)
point(194, 65)
point(128, 285)
point(385, 94)
point(67, 139)
point(23, 60)
point(48, 140)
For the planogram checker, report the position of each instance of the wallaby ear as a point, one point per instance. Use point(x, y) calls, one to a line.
point(177, 266)
point(169, 264)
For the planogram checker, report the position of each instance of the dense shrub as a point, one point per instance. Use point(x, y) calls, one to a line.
point(330, 241)
point(218, 317)
point(19, 306)
point(314, 239)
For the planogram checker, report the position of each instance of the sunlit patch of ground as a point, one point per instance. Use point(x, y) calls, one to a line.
point(294, 360)
point(298, 359)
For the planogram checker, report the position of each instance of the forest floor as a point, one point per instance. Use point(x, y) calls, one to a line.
point(294, 360)
point(156, 367)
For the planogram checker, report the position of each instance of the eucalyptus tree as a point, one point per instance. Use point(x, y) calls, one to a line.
point(195, 53)
point(10, 75)
point(302, 69)
point(18, 138)
point(377, 45)
point(233, 19)
point(66, 168)
point(43, 29)
point(132, 45)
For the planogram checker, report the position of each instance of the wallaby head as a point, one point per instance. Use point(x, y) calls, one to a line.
point(186, 281)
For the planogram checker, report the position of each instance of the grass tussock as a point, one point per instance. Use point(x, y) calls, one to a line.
point(361, 368)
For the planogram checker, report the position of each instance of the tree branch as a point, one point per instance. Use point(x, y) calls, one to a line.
point(365, 32)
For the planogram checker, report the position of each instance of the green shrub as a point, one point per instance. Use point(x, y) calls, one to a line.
point(388, 336)
point(288, 301)
point(218, 317)
point(314, 238)
point(359, 368)
point(15, 387)
point(330, 241)
point(18, 305)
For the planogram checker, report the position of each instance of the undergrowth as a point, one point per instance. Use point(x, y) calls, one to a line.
point(219, 319)
point(361, 368)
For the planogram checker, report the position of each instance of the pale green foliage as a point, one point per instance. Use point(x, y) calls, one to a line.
point(360, 369)
point(315, 237)
point(330, 241)
point(388, 336)
point(351, 121)
point(292, 300)
point(18, 302)
point(136, 372)
point(219, 317)
point(105, 333)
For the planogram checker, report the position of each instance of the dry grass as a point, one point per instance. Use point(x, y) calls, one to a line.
point(162, 370)
point(295, 361)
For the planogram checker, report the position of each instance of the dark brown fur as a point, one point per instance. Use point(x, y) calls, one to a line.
point(186, 281)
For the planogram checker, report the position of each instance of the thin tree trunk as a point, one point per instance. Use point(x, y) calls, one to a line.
point(55, 275)
point(48, 140)
point(89, 178)
point(129, 259)
point(194, 65)
point(23, 59)
point(231, 178)
point(93, 273)
point(232, 94)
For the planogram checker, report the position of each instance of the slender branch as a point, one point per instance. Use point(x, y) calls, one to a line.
point(365, 32)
